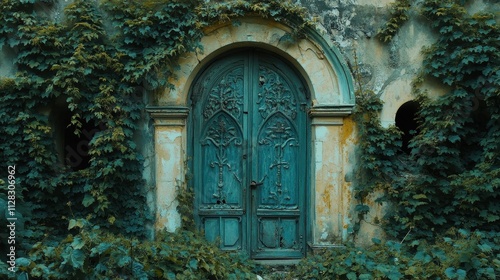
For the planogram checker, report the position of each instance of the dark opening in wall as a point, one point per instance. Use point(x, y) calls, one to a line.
point(73, 148)
point(405, 121)
point(76, 146)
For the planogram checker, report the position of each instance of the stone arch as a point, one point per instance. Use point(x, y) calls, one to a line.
point(322, 66)
point(331, 91)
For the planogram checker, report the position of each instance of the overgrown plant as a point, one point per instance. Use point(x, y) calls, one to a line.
point(378, 150)
point(281, 11)
point(451, 179)
point(92, 253)
point(98, 60)
point(101, 57)
point(458, 254)
point(399, 14)
point(456, 153)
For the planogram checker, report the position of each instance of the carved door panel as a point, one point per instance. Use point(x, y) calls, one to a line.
point(249, 156)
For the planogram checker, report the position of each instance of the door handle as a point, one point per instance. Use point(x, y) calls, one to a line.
point(254, 184)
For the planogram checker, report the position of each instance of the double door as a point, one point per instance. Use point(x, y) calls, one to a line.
point(249, 155)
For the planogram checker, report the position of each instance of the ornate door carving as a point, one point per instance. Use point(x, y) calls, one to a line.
point(249, 155)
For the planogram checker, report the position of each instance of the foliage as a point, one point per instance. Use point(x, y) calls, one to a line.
point(377, 150)
point(99, 60)
point(71, 61)
point(443, 196)
point(96, 254)
point(153, 34)
point(399, 15)
point(185, 198)
point(457, 255)
point(281, 11)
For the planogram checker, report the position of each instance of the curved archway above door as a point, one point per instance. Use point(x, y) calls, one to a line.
point(325, 71)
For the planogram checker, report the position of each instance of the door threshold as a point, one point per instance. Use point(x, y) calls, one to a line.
point(278, 262)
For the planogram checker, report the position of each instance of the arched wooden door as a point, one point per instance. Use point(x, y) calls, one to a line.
point(249, 155)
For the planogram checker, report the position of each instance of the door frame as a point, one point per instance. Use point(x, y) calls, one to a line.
point(331, 86)
point(305, 202)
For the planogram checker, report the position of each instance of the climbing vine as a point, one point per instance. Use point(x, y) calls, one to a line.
point(281, 11)
point(399, 14)
point(456, 153)
point(451, 177)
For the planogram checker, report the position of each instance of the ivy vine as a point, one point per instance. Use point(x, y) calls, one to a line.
point(443, 219)
point(399, 14)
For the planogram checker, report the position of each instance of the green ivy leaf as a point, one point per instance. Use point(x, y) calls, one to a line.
point(193, 263)
point(100, 249)
point(74, 258)
point(365, 276)
point(124, 260)
point(78, 243)
point(79, 223)
point(88, 200)
point(485, 248)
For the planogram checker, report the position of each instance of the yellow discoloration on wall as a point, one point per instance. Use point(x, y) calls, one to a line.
point(333, 192)
point(327, 199)
point(329, 178)
point(170, 155)
point(347, 134)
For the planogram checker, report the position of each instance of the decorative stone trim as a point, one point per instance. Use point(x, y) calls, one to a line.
point(329, 114)
point(168, 115)
point(317, 248)
point(331, 111)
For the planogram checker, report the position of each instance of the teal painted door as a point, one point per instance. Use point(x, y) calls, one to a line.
point(249, 155)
